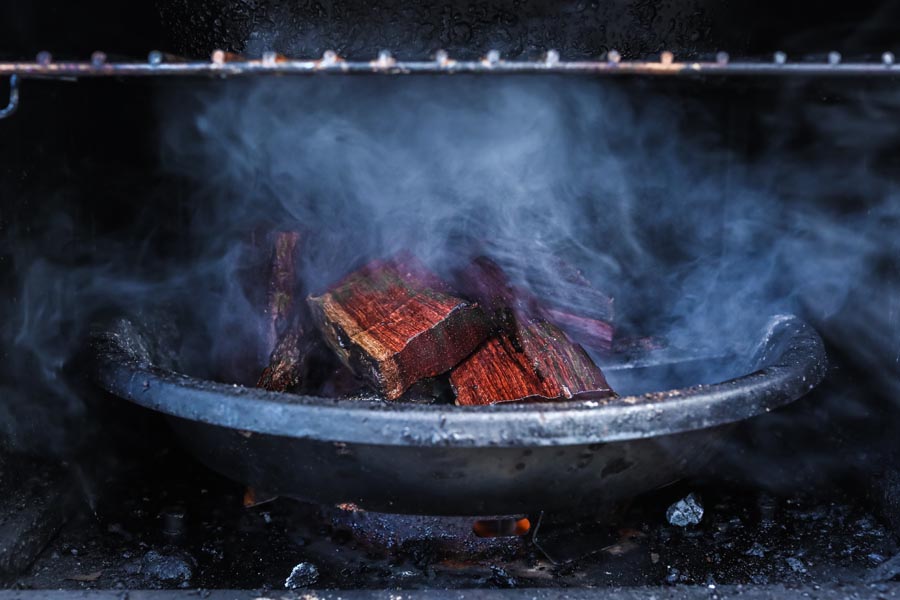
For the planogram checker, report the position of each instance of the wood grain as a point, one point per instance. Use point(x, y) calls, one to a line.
point(393, 322)
point(537, 363)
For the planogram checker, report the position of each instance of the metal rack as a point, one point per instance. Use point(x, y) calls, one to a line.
point(225, 64)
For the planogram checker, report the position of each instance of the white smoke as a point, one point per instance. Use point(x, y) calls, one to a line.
point(640, 190)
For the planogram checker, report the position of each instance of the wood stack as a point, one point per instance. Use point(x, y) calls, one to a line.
point(396, 325)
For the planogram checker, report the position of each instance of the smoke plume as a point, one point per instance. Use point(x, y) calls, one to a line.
point(644, 192)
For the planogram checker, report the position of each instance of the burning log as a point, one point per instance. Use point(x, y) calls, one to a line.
point(394, 323)
point(536, 363)
point(286, 340)
point(584, 313)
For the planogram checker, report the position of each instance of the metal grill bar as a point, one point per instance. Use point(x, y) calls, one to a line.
point(227, 65)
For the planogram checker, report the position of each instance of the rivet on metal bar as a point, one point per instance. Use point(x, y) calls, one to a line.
point(218, 57)
point(722, 58)
point(385, 59)
point(552, 58)
point(329, 57)
point(441, 57)
point(493, 57)
point(98, 59)
point(44, 58)
point(834, 58)
point(666, 57)
point(269, 58)
point(780, 58)
point(613, 56)
point(155, 57)
point(887, 58)
point(13, 97)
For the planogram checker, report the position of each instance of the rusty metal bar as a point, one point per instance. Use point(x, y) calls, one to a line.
point(224, 64)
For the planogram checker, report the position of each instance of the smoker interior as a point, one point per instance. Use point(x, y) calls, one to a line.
point(103, 497)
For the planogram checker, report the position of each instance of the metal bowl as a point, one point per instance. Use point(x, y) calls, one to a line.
point(449, 460)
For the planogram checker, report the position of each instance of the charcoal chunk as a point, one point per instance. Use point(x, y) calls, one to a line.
point(303, 575)
point(687, 511)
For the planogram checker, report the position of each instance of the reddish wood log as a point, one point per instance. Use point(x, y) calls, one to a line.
point(593, 333)
point(394, 322)
point(486, 282)
point(287, 339)
point(570, 291)
point(288, 361)
point(283, 288)
point(537, 363)
point(584, 313)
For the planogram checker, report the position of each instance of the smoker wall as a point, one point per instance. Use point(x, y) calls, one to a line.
point(579, 29)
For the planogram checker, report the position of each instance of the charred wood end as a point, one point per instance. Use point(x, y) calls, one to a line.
point(286, 364)
point(283, 286)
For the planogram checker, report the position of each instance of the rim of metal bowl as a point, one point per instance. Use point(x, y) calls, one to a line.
point(788, 362)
